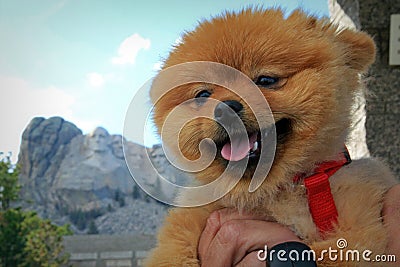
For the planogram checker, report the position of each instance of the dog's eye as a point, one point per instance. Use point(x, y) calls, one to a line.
point(202, 96)
point(268, 82)
point(203, 93)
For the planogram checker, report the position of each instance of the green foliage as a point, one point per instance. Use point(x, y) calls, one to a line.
point(92, 228)
point(119, 197)
point(81, 218)
point(9, 186)
point(12, 238)
point(26, 240)
point(109, 208)
point(43, 245)
point(78, 218)
point(136, 192)
point(121, 202)
point(147, 198)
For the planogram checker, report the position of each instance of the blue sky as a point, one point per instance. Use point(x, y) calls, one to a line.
point(83, 60)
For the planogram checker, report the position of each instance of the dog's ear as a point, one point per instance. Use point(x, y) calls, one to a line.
point(360, 49)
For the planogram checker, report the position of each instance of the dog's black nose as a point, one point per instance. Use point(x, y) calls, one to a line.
point(225, 111)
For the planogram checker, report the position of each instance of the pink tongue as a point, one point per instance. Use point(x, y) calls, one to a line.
point(238, 148)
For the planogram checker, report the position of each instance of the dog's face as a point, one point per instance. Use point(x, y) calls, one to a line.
point(305, 68)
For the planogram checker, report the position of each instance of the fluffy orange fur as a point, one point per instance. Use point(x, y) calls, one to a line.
point(321, 67)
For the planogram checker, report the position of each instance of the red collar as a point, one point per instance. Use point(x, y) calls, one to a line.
point(320, 200)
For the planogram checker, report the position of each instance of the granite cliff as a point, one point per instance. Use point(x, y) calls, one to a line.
point(74, 178)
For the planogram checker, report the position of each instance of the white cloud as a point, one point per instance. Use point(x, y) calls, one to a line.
point(95, 79)
point(20, 102)
point(129, 49)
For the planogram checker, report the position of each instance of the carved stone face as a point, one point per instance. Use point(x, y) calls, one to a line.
point(116, 145)
point(98, 140)
point(157, 158)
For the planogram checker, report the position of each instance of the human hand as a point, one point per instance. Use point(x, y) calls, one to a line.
point(233, 239)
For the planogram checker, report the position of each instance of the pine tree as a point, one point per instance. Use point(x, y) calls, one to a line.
point(9, 186)
point(92, 228)
point(25, 239)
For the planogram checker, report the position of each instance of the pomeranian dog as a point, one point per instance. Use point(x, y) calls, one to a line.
point(308, 70)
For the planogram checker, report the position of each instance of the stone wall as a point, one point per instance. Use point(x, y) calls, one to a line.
point(383, 81)
point(346, 15)
point(383, 103)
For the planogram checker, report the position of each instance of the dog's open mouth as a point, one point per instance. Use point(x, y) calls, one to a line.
point(240, 146)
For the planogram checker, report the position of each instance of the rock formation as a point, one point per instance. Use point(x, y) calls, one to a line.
point(64, 172)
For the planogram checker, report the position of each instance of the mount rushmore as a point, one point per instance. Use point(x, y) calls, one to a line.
point(64, 172)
